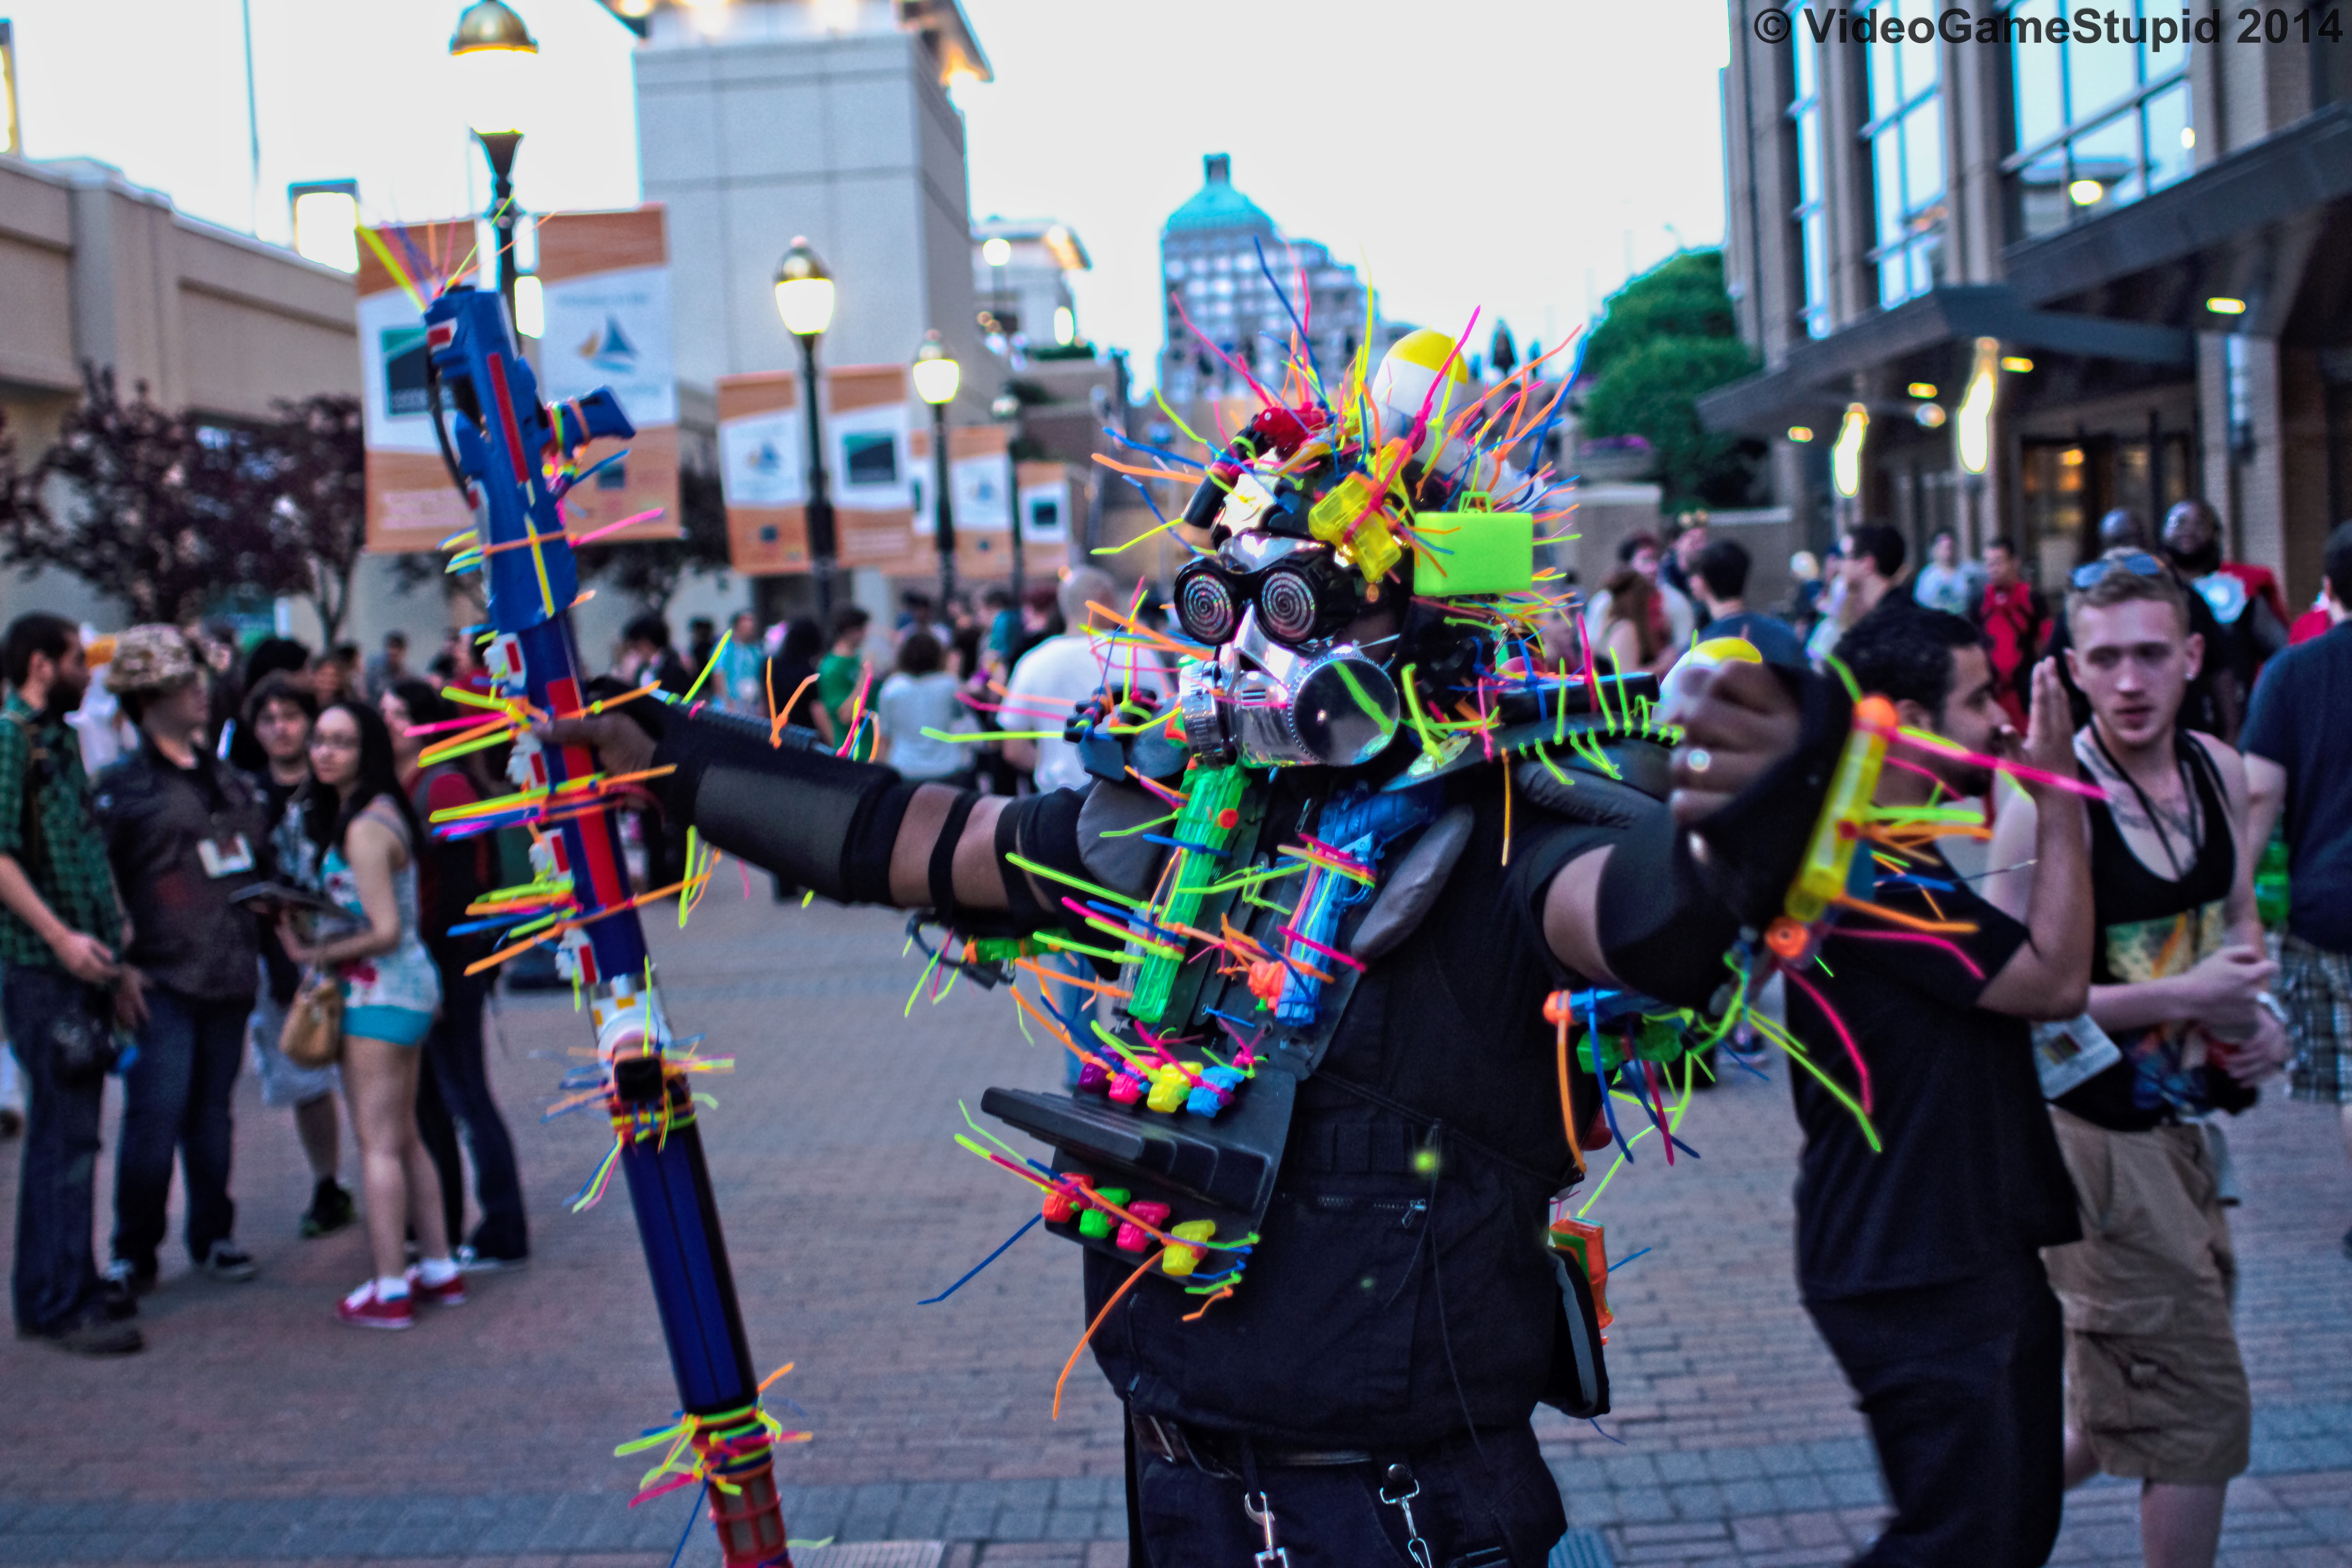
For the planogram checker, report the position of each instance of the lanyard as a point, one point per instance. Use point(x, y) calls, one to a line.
point(2187, 790)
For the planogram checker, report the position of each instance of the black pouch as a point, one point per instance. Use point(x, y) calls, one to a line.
point(82, 1045)
point(1578, 1384)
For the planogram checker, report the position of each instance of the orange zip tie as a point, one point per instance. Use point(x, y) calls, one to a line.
point(1195, 1317)
point(775, 716)
point(601, 704)
point(1033, 967)
point(1068, 1366)
point(1507, 810)
point(1145, 633)
point(1896, 916)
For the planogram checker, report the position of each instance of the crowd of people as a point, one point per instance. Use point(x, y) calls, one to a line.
point(197, 837)
point(2017, 1222)
point(163, 789)
point(2023, 1265)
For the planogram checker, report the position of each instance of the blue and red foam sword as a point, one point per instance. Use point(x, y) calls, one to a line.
point(501, 440)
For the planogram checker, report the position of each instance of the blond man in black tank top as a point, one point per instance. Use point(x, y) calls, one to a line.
point(2156, 1390)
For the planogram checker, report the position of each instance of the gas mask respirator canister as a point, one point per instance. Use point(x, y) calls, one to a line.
point(1266, 705)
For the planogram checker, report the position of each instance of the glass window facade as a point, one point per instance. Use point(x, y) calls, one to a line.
point(2100, 123)
point(1906, 136)
point(1811, 218)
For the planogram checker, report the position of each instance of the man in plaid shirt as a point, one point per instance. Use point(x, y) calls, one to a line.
point(56, 978)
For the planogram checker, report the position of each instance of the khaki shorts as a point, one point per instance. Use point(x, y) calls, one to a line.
point(2153, 1378)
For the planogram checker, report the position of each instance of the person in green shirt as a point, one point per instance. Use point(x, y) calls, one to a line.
point(62, 927)
point(842, 674)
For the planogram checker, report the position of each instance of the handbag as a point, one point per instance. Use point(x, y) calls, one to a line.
point(312, 1034)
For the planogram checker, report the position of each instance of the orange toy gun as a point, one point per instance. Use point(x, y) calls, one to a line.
point(1824, 876)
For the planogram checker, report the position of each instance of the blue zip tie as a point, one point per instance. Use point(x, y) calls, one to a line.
point(983, 1263)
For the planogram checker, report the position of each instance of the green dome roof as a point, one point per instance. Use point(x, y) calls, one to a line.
point(1216, 204)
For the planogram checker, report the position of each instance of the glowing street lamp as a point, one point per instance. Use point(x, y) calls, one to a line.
point(1974, 430)
point(497, 59)
point(805, 299)
point(937, 376)
point(1846, 454)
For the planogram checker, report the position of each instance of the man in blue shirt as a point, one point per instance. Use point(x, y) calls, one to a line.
point(2299, 761)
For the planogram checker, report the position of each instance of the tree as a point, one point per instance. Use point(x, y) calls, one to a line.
point(650, 571)
point(1650, 392)
point(316, 473)
point(20, 491)
point(167, 511)
point(1682, 297)
point(1669, 336)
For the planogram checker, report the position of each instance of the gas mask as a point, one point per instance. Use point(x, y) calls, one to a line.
point(1264, 703)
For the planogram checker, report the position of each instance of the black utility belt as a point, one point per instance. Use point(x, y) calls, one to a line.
point(1220, 1453)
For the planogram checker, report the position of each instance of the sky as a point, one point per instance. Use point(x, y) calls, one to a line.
point(1516, 157)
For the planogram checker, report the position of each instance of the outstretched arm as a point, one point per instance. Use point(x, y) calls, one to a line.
point(852, 831)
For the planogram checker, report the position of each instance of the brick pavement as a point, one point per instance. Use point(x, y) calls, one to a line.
point(257, 1429)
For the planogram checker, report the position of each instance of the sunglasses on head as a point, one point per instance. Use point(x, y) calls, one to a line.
point(2139, 563)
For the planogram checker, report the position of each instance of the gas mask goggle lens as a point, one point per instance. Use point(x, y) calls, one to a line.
point(1300, 593)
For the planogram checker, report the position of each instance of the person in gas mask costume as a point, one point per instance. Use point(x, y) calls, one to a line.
point(1311, 1166)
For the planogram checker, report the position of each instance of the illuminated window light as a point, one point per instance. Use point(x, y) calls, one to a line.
point(2223, 305)
point(2070, 458)
point(1921, 389)
point(1801, 433)
point(2016, 364)
point(2085, 192)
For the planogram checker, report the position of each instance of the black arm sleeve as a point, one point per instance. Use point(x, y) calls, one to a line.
point(795, 810)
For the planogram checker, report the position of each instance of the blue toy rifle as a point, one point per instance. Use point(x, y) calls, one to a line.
point(500, 434)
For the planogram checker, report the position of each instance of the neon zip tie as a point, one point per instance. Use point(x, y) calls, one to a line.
point(1034, 1221)
point(717, 652)
point(1069, 881)
point(1061, 943)
point(1909, 922)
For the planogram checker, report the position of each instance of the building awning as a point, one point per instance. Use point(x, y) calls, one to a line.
point(2269, 225)
point(1816, 382)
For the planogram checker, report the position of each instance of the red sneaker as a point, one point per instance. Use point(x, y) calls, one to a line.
point(364, 1309)
point(450, 1293)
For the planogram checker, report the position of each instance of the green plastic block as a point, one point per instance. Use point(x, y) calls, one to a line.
point(1474, 552)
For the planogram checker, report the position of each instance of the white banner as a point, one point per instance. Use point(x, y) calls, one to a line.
point(760, 459)
point(392, 397)
point(1046, 510)
point(982, 503)
point(871, 470)
point(611, 330)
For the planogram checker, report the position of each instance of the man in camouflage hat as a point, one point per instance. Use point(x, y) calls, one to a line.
point(184, 832)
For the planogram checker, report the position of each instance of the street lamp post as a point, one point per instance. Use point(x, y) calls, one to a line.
point(937, 376)
point(805, 299)
point(494, 50)
point(1007, 410)
point(998, 252)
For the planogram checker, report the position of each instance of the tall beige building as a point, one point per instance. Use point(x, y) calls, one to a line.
point(761, 120)
point(95, 270)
